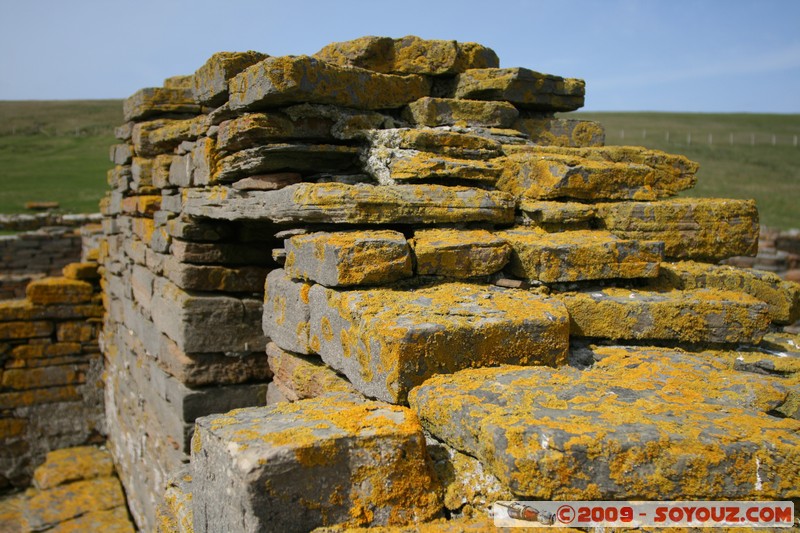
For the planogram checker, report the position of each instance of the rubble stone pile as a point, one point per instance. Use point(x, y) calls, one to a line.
point(445, 293)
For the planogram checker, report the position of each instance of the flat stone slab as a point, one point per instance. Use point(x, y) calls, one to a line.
point(409, 55)
point(640, 424)
point(543, 129)
point(284, 157)
point(287, 315)
point(387, 341)
point(429, 111)
point(557, 215)
point(390, 166)
point(72, 464)
point(546, 173)
point(161, 136)
point(349, 258)
point(579, 255)
point(215, 277)
point(210, 82)
point(323, 461)
point(154, 101)
point(300, 376)
point(58, 290)
point(458, 253)
point(278, 81)
point(701, 315)
point(782, 297)
point(522, 87)
point(354, 204)
point(703, 229)
point(256, 129)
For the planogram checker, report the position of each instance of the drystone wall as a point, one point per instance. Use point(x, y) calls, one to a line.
point(51, 370)
point(446, 294)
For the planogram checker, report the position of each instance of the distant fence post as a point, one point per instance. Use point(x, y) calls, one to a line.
point(731, 139)
point(668, 137)
point(710, 139)
point(689, 138)
point(795, 140)
point(752, 139)
point(773, 139)
point(622, 134)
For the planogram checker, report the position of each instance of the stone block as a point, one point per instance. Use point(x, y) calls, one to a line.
point(458, 253)
point(432, 112)
point(391, 166)
point(324, 461)
point(207, 323)
point(226, 253)
point(154, 101)
point(409, 55)
point(353, 204)
point(215, 277)
point(387, 341)
point(81, 271)
point(668, 426)
point(77, 331)
point(210, 82)
point(162, 136)
point(701, 315)
point(703, 229)
point(284, 157)
point(782, 297)
point(73, 464)
point(24, 330)
point(59, 290)
point(42, 377)
point(348, 258)
point(557, 215)
point(190, 229)
point(443, 141)
point(114, 520)
point(545, 173)
point(524, 88)
point(257, 129)
point(547, 130)
point(268, 182)
point(121, 154)
point(287, 315)
point(48, 508)
point(299, 376)
point(175, 514)
point(278, 81)
point(579, 255)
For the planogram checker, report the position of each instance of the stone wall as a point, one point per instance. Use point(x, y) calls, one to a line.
point(50, 371)
point(461, 297)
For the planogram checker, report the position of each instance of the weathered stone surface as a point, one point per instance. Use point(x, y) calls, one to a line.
point(432, 112)
point(354, 204)
point(409, 55)
point(524, 88)
point(579, 255)
point(387, 341)
point(215, 277)
point(181, 81)
point(278, 81)
point(287, 315)
point(164, 135)
point(391, 166)
point(549, 173)
point(298, 376)
point(175, 514)
point(348, 258)
point(557, 215)
point(458, 253)
point(81, 271)
point(782, 297)
point(267, 182)
point(64, 502)
point(58, 291)
point(120, 154)
point(72, 464)
point(444, 141)
point(668, 426)
point(228, 253)
point(256, 129)
point(111, 521)
point(282, 158)
point(207, 323)
point(550, 131)
point(702, 229)
point(210, 82)
point(153, 101)
point(296, 466)
point(702, 315)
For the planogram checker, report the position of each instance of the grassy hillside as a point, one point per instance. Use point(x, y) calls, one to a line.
point(736, 154)
point(58, 151)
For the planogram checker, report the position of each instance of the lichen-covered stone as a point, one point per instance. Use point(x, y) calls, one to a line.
point(175, 514)
point(444, 141)
point(458, 253)
point(287, 315)
point(49, 507)
point(524, 88)
point(348, 258)
point(164, 135)
point(215, 277)
point(81, 271)
point(268, 182)
point(409, 55)
point(298, 376)
point(550, 131)
point(58, 290)
point(354, 204)
point(278, 81)
point(387, 341)
point(703, 229)
point(72, 464)
point(154, 101)
point(782, 297)
point(543, 173)
point(432, 112)
point(391, 166)
point(210, 82)
point(579, 255)
point(668, 426)
point(114, 520)
point(256, 129)
point(323, 461)
point(557, 215)
point(701, 315)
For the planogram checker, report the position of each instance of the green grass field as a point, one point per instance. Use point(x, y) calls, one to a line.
point(58, 151)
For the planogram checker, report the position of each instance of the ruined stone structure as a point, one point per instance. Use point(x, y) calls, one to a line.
point(446, 294)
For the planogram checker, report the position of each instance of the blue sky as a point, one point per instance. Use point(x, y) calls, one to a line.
point(660, 55)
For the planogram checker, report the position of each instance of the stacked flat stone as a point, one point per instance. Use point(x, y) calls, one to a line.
point(418, 219)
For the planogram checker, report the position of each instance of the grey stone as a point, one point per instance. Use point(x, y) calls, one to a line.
point(522, 87)
point(232, 253)
point(215, 277)
point(287, 315)
point(284, 157)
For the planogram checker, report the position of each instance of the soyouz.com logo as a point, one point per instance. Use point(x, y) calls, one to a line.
point(632, 514)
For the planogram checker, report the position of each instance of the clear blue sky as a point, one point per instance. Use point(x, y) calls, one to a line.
point(663, 55)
